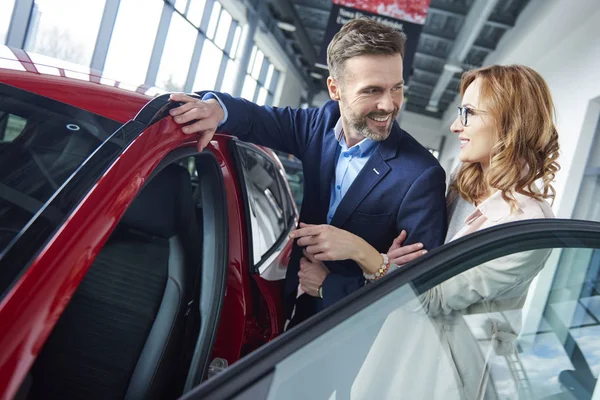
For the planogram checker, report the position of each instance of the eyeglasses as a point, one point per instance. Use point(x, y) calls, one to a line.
point(463, 112)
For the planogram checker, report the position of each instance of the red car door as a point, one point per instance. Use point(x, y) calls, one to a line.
point(44, 260)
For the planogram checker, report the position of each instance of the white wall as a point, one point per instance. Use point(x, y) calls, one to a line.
point(559, 39)
point(290, 91)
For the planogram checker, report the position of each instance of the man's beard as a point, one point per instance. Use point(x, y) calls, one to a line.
point(360, 125)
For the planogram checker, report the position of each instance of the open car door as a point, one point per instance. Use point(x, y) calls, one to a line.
point(398, 338)
point(103, 294)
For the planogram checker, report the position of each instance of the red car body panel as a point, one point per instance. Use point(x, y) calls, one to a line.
point(34, 304)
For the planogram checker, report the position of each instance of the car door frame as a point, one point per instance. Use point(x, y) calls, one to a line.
point(31, 306)
point(251, 377)
point(279, 253)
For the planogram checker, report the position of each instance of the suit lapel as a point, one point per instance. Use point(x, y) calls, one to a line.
point(328, 156)
point(371, 174)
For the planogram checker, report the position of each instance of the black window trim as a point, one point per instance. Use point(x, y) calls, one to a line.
point(424, 273)
point(277, 247)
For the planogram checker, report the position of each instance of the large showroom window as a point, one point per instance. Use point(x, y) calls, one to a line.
point(126, 62)
point(177, 54)
point(219, 52)
point(261, 79)
point(6, 10)
point(73, 41)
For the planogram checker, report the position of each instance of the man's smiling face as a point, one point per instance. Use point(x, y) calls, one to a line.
point(370, 92)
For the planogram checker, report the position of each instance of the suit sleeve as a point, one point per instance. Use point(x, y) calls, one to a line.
point(422, 214)
point(285, 129)
point(336, 287)
point(423, 210)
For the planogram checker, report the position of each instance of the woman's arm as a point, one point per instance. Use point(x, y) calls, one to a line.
point(505, 278)
point(328, 243)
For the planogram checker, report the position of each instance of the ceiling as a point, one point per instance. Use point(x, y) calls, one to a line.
point(444, 22)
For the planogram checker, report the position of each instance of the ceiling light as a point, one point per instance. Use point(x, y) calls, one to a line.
point(432, 109)
point(316, 75)
point(286, 26)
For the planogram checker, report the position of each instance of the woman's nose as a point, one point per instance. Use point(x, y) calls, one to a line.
point(456, 126)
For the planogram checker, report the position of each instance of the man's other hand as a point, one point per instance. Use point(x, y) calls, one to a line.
point(207, 115)
point(312, 274)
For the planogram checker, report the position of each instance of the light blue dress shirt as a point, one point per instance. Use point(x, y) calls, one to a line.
point(349, 162)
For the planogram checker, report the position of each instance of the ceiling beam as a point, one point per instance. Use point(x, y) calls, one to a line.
point(300, 34)
point(434, 36)
point(308, 9)
point(454, 14)
point(475, 20)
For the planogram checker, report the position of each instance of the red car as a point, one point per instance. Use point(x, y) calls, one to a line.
point(130, 265)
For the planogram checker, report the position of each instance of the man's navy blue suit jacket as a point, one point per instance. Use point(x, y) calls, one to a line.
point(402, 186)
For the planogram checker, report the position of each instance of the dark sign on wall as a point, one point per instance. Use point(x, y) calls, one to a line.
point(406, 16)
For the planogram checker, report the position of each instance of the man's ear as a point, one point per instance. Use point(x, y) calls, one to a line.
point(334, 89)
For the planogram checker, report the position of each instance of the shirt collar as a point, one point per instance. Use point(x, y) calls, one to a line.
point(362, 148)
point(496, 208)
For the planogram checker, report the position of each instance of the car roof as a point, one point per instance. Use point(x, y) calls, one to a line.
point(72, 84)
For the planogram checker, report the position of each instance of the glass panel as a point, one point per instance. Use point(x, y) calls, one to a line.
point(249, 88)
point(223, 29)
point(42, 143)
point(125, 62)
point(496, 331)
point(196, 12)
point(208, 68)
point(266, 201)
point(214, 20)
point(180, 5)
point(258, 61)
point(236, 42)
point(588, 206)
point(6, 10)
point(177, 55)
point(269, 75)
point(229, 78)
point(73, 41)
point(252, 57)
point(262, 96)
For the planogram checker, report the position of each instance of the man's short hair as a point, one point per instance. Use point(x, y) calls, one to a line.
point(362, 36)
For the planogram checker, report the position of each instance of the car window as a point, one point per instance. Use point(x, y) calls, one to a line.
point(42, 143)
point(443, 344)
point(508, 312)
point(268, 203)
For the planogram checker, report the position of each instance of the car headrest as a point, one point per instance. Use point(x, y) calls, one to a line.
point(164, 205)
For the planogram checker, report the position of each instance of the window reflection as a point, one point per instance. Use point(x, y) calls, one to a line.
point(177, 54)
point(73, 41)
point(6, 10)
point(125, 62)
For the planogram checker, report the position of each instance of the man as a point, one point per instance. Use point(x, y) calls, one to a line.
point(362, 172)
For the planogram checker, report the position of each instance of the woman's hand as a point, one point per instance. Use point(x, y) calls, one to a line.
point(401, 255)
point(328, 243)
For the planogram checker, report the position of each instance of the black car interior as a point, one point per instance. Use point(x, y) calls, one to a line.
point(123, 334)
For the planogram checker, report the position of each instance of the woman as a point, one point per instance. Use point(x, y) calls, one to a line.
point(508, 150)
